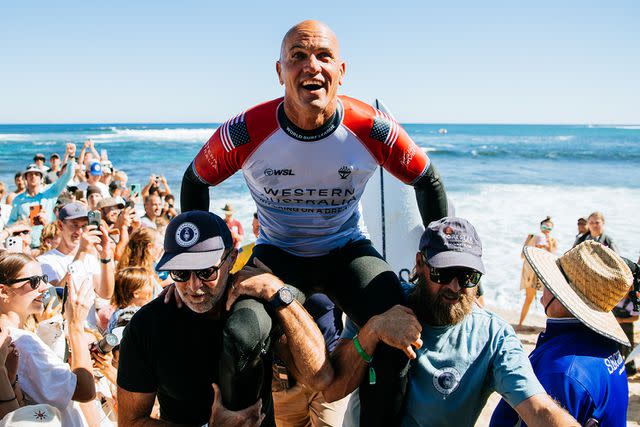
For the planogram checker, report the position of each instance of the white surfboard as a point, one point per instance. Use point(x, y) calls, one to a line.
point(391, 216)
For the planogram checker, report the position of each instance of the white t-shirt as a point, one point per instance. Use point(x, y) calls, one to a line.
point(145, 221)
point(55, 264)
point(44, 378)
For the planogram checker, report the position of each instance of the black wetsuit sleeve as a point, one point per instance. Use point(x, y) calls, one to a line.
point(431, 196)
point(194, 194)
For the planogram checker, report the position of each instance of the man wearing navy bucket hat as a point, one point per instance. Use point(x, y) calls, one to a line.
point(173, 351)
point(460, 353)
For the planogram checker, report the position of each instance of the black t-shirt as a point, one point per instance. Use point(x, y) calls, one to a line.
point(174, 353)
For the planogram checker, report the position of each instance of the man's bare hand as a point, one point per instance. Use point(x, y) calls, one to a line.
point(257, 282)
point(170, 293)
point(398, 327)
point(222, 417)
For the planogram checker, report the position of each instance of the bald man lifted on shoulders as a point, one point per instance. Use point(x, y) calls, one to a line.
point(306, 159)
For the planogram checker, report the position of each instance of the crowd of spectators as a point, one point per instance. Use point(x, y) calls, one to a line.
point(78, 247)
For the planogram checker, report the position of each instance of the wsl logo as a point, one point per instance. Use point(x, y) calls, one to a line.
point(344, 172)
point(276, 172)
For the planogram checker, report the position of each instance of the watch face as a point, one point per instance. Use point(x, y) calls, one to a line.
point(286, 295)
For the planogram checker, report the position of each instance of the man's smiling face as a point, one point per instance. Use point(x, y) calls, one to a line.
point(310, 67)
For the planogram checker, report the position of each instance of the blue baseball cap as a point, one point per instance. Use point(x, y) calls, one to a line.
point(452, 242)
point(95, 168)
point(194, 240)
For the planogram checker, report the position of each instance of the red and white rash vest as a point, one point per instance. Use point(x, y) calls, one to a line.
point(307, 184)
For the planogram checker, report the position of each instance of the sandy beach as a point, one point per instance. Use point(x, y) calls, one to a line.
point(528, 339)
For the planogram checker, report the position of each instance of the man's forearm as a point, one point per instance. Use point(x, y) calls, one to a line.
point(308, 349)
point(106, 283)
point(541, 410)
point(348, 366)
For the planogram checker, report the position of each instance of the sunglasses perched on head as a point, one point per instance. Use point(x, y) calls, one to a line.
point(467, 277)
point(206, 274)
point(34, 281)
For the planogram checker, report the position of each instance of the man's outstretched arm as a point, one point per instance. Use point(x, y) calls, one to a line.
point(194, 194)
point(431, 196)
point(540, 410)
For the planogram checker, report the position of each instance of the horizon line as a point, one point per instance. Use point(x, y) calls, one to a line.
point(403, 123)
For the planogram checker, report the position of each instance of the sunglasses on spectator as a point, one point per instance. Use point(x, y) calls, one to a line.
point(546, 228)
point(206, 274)
point(467, 277)
point(19, 233)
point(34, 281)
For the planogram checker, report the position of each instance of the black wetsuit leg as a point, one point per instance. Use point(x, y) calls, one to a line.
point(363, 285)
point(245, 366)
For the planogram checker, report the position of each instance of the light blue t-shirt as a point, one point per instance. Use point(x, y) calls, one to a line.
point(46, 198)
point(456, 370)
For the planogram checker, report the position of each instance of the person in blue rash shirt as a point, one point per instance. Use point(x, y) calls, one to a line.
point(576, 358)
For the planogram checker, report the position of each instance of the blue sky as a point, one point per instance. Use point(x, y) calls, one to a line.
point(196, 61)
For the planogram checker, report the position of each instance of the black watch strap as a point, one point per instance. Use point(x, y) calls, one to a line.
point(282, 298)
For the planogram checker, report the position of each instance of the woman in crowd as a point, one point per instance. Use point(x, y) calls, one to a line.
point(144, 250)
point(133, 289)
point(49, 239)
point(42, 376)
point(528, 279)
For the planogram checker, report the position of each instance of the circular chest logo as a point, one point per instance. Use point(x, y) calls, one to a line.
point(187, 234)
point(446, 380)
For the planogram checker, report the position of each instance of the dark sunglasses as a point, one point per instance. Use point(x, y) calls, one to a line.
point(467, 277)
point(21, 233)
point(206, 274)
point(34, 281)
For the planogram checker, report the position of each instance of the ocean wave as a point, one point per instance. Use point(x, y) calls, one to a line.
point(14, 137)
point(167, 134)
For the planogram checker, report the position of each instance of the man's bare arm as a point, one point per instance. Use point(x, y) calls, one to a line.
point(397, 327)
point(134, 410)
point(540, 410)
point(308, 349)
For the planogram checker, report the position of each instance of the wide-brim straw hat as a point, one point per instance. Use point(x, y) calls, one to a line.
point(589, 280)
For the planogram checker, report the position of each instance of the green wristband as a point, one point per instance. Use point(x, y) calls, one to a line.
point(366, 358)
point(361, 351)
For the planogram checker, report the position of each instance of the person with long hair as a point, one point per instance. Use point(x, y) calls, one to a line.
point(528, 280)
point(49, 239)
point(134, 288)
point(144, 250)
point(42, 376)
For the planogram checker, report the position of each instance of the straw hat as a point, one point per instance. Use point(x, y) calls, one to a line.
point(228, 209)
point(589, 280)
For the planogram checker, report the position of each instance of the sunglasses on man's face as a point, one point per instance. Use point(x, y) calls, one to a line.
point(206, 274)
point(34, 281)
point(21, 233)
point(467, 277)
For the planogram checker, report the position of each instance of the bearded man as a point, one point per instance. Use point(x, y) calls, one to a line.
point(460, 353)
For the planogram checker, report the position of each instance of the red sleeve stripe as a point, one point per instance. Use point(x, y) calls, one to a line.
point(227, 143)
point(393, 131)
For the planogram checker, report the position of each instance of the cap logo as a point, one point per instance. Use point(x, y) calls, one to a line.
point(187, 234)
point(448, 231)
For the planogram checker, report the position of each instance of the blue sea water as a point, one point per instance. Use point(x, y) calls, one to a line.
point(504, 178)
